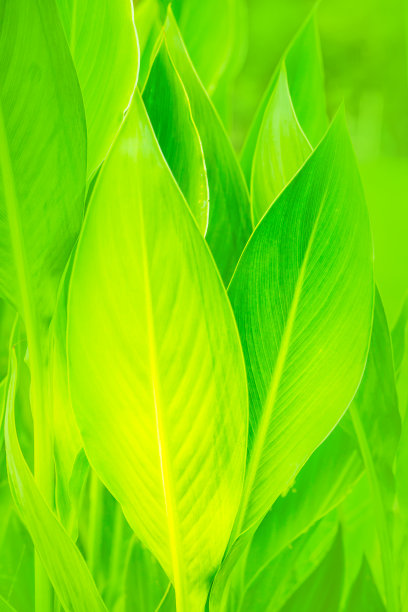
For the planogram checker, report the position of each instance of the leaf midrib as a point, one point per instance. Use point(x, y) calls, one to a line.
point(167, 480)
point(263, 428)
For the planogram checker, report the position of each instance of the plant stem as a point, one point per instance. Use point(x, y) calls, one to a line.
point(116, 553)
point(43, 462)
point(380, 514)
point(95, 521)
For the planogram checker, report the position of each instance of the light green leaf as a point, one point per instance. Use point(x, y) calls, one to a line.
point(303, 298)
point(280, 151)
point(168, 346)
point(229, 224)
point(103, 43)
point(268, 587)
point(42, 158)
point(16, 555)
point(304, 67)
point(169, 111)
point(322, 590)
point(320, 486)
point(70, 464)
point(398, 335)
point(364, 594)
point(146, 583)
point(62, 560)
point(378, 438)
point(208, 32)
point(148, 24)
point(5, 607)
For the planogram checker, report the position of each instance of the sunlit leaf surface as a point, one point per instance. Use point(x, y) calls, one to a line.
point(143, 392)
point(303, 301)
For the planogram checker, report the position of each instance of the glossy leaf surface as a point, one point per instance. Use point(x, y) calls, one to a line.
point(42, 158)
point(303, 297)
point(179, 488)
point(281, 149)
point(229, 223)
point(102, 39)
point(169, 111)
point(303, 64)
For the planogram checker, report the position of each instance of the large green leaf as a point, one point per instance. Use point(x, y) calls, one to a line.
point(152, 343)
point(280, 151)
point(42, 158)
point(229, 224)
point(303, 64)
point(303, 299)
point(102, 39)
point(63, 562)
point(169, 111)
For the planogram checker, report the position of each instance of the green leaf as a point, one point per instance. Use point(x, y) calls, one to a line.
point(16, 556)
point(364, 594)
point(303, 63)
point(169, 111)
point(303, 298)
point(148, 26)
point(320, 486)
point(229, 223)
point(268, 587)
point(280, 151)
point(62, 560)
point(398, 335)
point(42, 158)
point(172, 451)
point(103, 43)
point(208, 32)
point(378, 437)
point(146, 583)
point(5, 607)
point(70, 463)
point(322, 590)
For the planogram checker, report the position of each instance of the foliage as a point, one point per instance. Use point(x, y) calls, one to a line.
point(201, 404)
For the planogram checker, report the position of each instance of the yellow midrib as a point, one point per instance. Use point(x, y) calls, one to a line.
point(167, 481)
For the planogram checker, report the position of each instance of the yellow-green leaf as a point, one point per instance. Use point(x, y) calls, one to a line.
point(156, 370)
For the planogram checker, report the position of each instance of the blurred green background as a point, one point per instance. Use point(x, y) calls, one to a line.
point(364, 46)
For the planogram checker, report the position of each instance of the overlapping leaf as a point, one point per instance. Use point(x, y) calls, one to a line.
point(378, 438)
point(42, 158)
point(303, 63)
point(62, 560)
point(303, 298)
point(209, 40)
point(229, 223)
point(156, 370)
point(103, 44)
point(169, 111)
point(280, 151)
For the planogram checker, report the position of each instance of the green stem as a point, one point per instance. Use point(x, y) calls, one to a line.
point(95, 521)
point(43, 454)
point(380, 514)
point(116, 553)
point(43, 463)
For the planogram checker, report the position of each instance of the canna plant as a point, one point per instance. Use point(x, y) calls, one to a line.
point(199, 399)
